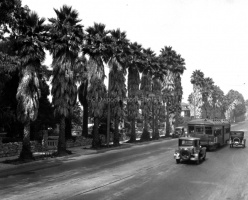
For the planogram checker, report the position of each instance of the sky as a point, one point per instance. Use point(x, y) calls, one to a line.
point(211, 35)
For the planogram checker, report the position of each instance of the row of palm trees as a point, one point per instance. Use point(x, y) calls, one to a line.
point(79, 57)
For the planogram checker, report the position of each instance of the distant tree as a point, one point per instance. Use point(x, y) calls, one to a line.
point(236, 105)
point(197, 79)
point(207, 95)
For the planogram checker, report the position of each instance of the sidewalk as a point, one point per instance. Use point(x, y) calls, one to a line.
point(76, 152)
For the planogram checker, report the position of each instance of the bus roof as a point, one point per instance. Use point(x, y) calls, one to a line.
point(209, 122)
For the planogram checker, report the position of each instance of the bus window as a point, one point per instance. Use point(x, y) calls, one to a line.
point(217, 132)
point(208, 130)
point(191, 129)
point(199, 129)
point(227, 130)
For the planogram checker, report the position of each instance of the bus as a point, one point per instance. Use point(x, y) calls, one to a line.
point(212, 132)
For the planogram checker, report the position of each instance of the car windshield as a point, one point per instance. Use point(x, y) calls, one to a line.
point(186, 142)
point(239, 134)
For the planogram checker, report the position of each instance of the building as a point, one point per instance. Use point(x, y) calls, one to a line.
point(185, 110)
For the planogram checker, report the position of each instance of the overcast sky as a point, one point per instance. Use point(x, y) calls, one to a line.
point(211, 35)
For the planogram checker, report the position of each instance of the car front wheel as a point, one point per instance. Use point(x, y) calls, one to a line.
point(178, 161)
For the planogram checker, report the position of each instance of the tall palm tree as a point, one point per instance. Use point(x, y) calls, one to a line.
point(98, 47)
point(146, 104)
point(117, 88)
point(30, 50)
point(83, 91)
point(65, 38)
point(96, 99)
point(175, 66)
point(135, 64)
point(178, 71)
point(117, 92)
point(207, 90)
point(168, 58)
point(151, 66)
point(197, 79)
point(157, 105)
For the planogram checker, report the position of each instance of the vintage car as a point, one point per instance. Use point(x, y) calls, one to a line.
point(189, 148)
point(237, 139)
point(178, 132)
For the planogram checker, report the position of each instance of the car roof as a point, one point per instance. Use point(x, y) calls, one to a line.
point(188, 138)
point(180, 127)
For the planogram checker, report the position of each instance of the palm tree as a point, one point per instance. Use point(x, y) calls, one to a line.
point(117, 88)
point(30, 50)
point(98, 47)
point(117, 92)
point(197, 79)
point(96, 99)
point(65, 38)
point(149, 74)
point(135, 63)
point(146, 104)
point(168, 58)
point(175, 66)
point(83, 91)
point(207, 90)
point(157, 104)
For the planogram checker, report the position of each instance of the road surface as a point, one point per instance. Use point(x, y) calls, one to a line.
point(141, 172)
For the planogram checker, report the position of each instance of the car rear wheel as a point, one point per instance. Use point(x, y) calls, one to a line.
point(178, 161)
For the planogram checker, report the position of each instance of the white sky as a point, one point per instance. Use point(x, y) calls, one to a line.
point(211, 35)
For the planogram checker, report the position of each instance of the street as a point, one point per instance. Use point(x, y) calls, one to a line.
point(141, 172)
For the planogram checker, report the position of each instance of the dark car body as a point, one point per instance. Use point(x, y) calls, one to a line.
point(189, 148)
point(237, 139)
point(178, 132)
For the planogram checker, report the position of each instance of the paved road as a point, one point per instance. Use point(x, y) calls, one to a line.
point(141, 172)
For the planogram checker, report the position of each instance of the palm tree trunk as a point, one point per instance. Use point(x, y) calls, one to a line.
point(96, 143)
point(156, 135)
point(85, 109)
point(153, 122)
point(116, 133)
point(85, 119)
point(167, 122)
point(155, 132)
point(26, 146)
point(145, 135)
point(133, 133)
point(68, 127)
point(61, 143)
